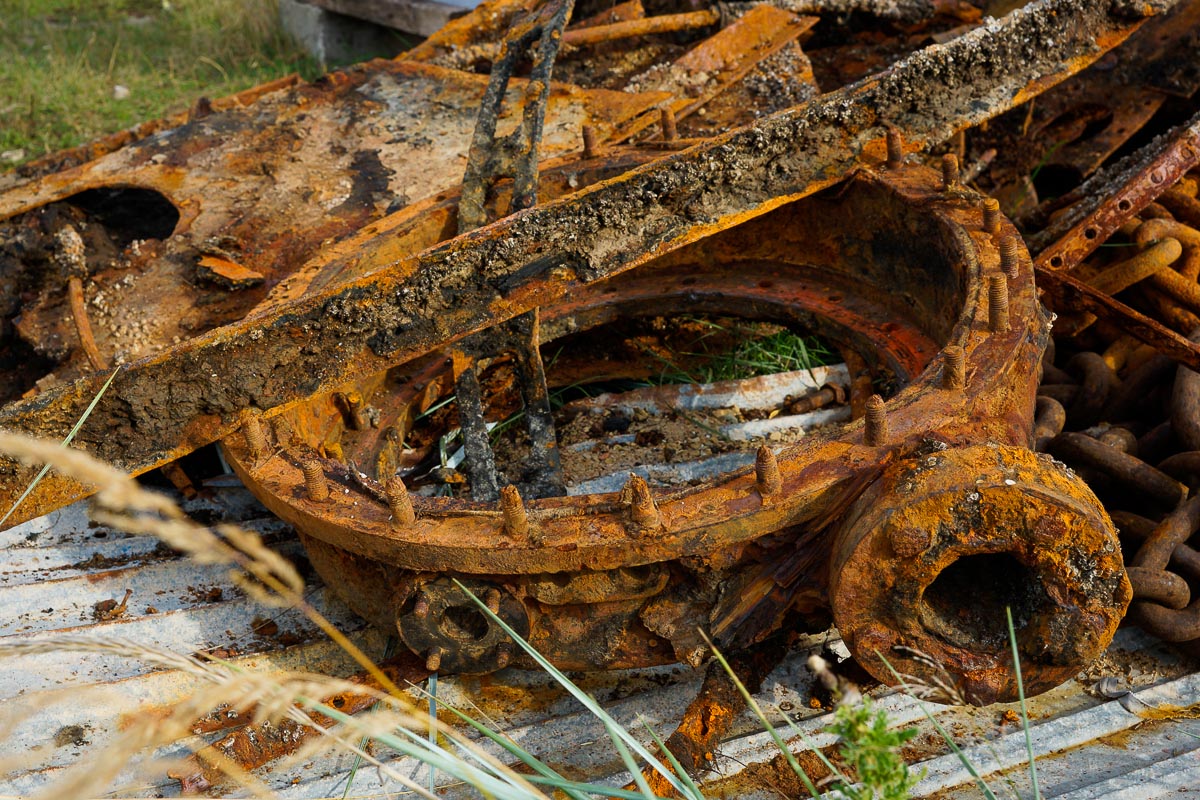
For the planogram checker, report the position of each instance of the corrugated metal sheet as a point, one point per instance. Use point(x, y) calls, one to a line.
point(61, 709)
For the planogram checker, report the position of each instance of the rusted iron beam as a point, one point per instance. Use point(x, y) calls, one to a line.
point(164, 406)
point(1065, 292)
point(1112, 198)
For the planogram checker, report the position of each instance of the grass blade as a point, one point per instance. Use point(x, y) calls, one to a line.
point(675, 765)
point(512, 747)
point(1012, 640)
point(432, 725)
point(984, 788)
point(588, 702)
point(630, 764)
point(762, 718)
point(87, 412)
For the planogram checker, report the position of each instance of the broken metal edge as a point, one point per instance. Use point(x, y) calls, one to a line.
point(165, 406)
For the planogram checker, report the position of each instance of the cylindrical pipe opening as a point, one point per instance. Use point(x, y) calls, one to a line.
point(966, 603)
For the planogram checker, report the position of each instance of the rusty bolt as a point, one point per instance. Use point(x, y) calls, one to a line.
point(314, 481)
point(503, 654)
point(953, 368)
point(516, 522)
point(589, 141)
point(399, 502)
point(991, 216)
point(949, 171)
point(997, 303)
point(491, 599)
point(895, 148)
point(875, 432)
point(669, 131)
point(1010, 254)
point(421, 606)
point(908, 542)
point(434, 659)
point(642, 508)
point(766, 472)
point(256, 439)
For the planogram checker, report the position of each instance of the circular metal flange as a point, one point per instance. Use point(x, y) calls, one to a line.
point(438, 620)
point(935, 551)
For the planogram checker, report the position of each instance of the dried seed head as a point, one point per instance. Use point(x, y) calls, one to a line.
point(766, 472)
point(895, 148)
point(875, 431)
point(399, 502)
point(314, 481)
point(1010, 255)
point(516, 522)
point(953, 367)
point(949, 171)
point(642, 508)
point(991, 216)
point(997, 303)
point(256, 439)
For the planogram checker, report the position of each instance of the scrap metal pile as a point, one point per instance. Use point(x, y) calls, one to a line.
point(393, 294)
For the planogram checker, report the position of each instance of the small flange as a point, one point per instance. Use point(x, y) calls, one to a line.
point(936, 549)
point(438, 620)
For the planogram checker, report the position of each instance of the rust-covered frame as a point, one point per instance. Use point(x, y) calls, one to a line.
point(164, 406)
point(894, 262)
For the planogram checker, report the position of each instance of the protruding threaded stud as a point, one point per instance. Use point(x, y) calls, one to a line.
point(669, 130)
point(314, 481)
point(589, 141)
point(256, 438)
point(895, 148)
point(953, 367)
point(433, 660)
point(503, 655)
point(399, 502)
point(421, 606)
point(491, 599)
point(997, 303)
point(1010, 255)
point(516, 522)
point(766, 472)
point(875, 432)
point(950, 176)
point(991, 216)
point(642, 508)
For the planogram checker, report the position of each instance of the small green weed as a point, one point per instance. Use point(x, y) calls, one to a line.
point(873, 751)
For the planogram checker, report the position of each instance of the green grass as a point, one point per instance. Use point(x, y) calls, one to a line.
point(745, 351)
point(60, 61)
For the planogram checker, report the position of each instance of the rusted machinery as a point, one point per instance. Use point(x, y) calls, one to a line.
point(928, 505)
point(810, 217)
